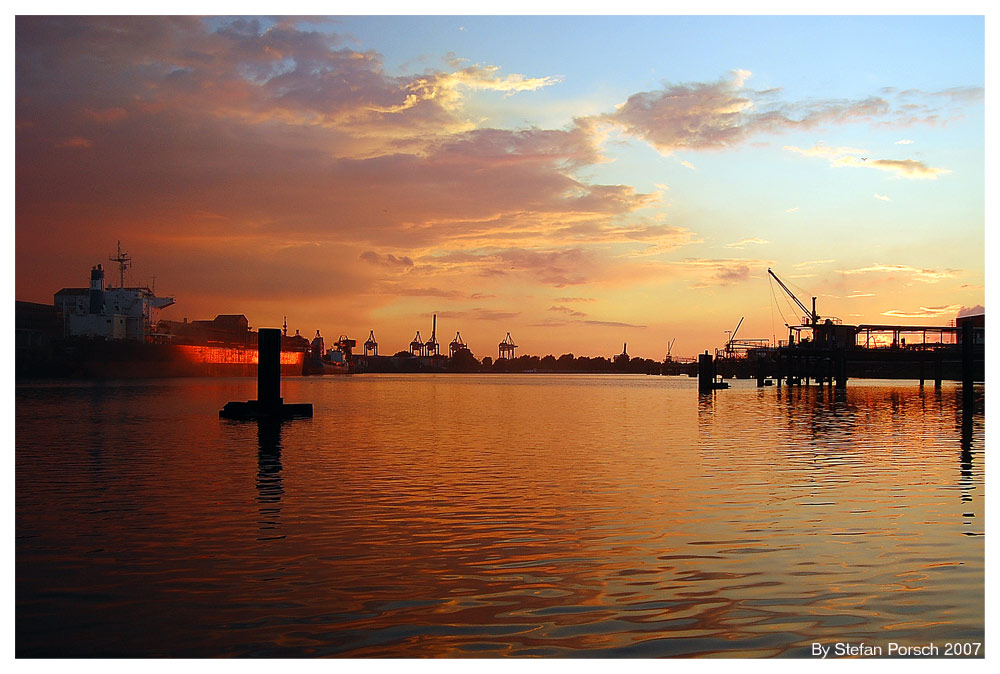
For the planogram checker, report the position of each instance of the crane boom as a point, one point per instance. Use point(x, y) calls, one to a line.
point(812, 314)
point(733, 335)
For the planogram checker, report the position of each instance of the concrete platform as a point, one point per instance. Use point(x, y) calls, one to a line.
point(254, 409)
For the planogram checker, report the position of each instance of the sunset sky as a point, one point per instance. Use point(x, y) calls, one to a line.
point(578, 181)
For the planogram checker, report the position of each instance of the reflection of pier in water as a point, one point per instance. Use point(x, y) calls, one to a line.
point(824, 417)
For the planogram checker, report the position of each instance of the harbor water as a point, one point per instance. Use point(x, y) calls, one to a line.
point(496, 515)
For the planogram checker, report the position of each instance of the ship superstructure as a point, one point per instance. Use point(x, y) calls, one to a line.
point(122, 313)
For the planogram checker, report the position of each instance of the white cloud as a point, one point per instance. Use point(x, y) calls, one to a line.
point(882, 197)
point(925, 275)
point(924, 312)
point(689, 165)
point(905, 141)
point(740, 244)
point(811, 263)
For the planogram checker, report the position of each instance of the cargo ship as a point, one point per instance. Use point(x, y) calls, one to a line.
point(114, 332)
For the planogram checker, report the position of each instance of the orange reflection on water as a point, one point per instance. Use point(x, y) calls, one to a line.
point(477, 515)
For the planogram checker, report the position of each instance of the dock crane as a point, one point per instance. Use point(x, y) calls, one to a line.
point(670, 345)
point(732, 336)
point(811, 315)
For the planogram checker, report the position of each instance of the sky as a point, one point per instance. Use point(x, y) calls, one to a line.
point(579, 182)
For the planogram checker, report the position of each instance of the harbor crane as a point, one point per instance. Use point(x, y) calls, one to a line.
point(371, 346)
point(732, 336)
point(506, 347)
point(456, 345)
point(670, 345)
point(812, 316)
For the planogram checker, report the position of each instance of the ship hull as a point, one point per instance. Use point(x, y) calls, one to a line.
point(100, 359)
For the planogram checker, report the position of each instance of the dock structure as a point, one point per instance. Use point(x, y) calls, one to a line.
point(269, 403)
point(831, 353)
point(826, 351)
point(506, 348)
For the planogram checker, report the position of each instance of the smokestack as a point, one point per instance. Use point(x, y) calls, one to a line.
point(97, 290)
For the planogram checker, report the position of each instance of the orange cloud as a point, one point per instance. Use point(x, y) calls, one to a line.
point(909, 168)
point(725, 114)
point(847, 156)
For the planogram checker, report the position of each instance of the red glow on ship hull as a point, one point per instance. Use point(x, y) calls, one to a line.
point(236, 360)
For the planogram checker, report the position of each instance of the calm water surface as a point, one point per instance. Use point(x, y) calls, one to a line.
point(479, 515)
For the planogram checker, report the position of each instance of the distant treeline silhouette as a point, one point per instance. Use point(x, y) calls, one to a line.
point(570, 363)
point(465, 361)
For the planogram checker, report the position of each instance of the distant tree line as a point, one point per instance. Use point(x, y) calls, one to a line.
point(622, 363)
point(465, 361)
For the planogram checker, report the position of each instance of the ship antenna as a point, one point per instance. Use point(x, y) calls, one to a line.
point(124, 261)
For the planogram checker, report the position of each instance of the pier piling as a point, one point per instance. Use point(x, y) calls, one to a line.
point(269, 367)
point(706, 372)
point(967, 373)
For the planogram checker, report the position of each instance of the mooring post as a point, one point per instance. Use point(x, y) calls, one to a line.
point(269, 367)
point(706, 372)
point(760, 371)
point(269, 404)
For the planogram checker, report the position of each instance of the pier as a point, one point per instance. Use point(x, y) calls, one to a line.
point(832, 353)
point(824, 350)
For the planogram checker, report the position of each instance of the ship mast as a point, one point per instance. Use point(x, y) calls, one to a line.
point(124, 261)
